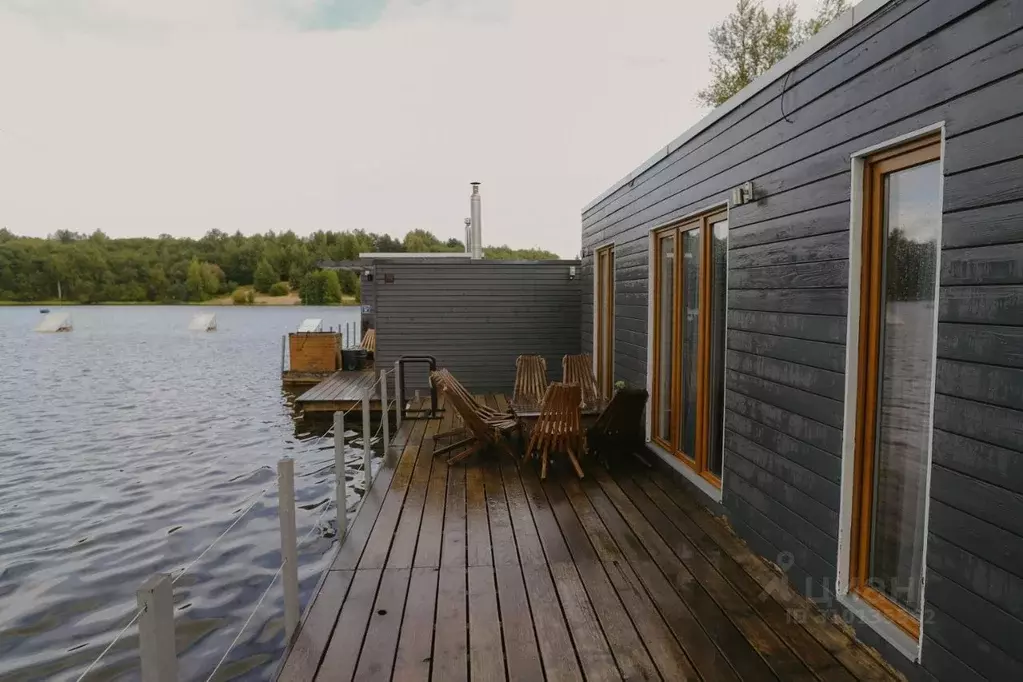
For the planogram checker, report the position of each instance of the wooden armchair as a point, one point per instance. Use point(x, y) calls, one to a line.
point(483, 431)
point(619, 428)
point(578, 369)
point(530, 381)
point(558, 427)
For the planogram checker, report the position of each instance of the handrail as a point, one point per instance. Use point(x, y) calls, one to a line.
point(402, 361)
point(157, 653)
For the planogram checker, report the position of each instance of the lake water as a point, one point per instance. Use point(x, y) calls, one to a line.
point(126, 447)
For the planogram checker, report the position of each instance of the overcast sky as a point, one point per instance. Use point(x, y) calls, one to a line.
point(140, 117)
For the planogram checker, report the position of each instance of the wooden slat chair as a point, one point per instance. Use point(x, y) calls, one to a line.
point(369, 341)
point(619, 428)
point(442, 379)
point(578, 369)
point(530, 381)
point(482, 432)
point(558, 427)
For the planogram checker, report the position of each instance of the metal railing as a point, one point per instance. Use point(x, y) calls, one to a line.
point(155, 613)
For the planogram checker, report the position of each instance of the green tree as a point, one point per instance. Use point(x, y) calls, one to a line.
point(279, 289)
point(751, 40)
point(321, 287)
point(194, 282)
point(264, 277)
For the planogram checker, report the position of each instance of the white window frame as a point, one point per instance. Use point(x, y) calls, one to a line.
point(905, 644)
point(703, 485)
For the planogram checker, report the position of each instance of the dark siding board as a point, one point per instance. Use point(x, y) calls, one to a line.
point(981, 343)
point(979, 460)
point(995, 184)
point(829, 190)
point(1000, 264)
point(981, 577)
point(809, 431)
point(988, 423)
point(833, 273)
point(989, 621)
point(800, 479)
point(999, 547)
point(984, 383)
point(849, 111)
point(997, 304)
point(835, 91)
point(944, 666)
point(470, 316)
point(824, 464)
point(972, 650)
point(777, 499)
point(992, 503)
point(825, 328)
point(826, 356)
point(991, 144)
point(791, 374)
point(813, 302)
point(815, 222)
point(831, 246)
point(983, 226)
point(809, 405)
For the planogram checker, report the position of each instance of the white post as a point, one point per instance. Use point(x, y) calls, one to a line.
point(397, 394)
point(156, 630)
point(385, 416)
point(284, 345)
point(289, 548)
point(367, 454)
point(341, 494)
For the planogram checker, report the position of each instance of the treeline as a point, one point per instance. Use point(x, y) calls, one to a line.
point(95, 268)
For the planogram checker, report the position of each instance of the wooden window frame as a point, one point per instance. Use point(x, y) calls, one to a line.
point(697, 461)
point(876, 167)
point(604, 261)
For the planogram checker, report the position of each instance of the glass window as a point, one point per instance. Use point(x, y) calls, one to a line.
point(901, 238)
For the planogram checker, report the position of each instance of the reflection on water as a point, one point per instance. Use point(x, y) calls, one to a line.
point(126, 447)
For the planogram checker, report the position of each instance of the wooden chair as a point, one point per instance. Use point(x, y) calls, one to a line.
point(482, 432)
point(578, 369)
point(369, 342)
point(558, 427)
point(619, 428)
point(444, 379)
point(530, 381)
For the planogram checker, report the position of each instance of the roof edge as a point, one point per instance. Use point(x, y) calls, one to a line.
point(844, 23)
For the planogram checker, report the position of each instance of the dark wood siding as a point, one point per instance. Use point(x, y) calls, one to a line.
point(476, 317)
point(912, 64)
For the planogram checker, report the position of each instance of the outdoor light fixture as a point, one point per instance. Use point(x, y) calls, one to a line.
point(571, 272)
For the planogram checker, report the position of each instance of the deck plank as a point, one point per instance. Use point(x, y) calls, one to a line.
point(480, 571)
point(412, 661)
point(450, 640)
point(376, 661)
point(486, 654)
point(343, 652)
point(556, 649)
point(852, 655)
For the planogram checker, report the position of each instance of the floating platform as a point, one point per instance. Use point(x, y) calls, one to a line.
point(341, 391)
point(55, 322)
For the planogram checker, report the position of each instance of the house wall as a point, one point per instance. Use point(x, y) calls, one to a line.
point(476, 317)
point(910, 65)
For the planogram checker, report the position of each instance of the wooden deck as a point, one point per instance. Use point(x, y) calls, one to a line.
point(341, 391)
point(484, 572)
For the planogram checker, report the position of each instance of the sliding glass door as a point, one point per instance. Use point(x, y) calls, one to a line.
point(689, 331)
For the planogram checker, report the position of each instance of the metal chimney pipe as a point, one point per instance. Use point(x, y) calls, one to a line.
point(468, 235)
point(477, 221)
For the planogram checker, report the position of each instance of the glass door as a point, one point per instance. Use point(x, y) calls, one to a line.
point(689, 333)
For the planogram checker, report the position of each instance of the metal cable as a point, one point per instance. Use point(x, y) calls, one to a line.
point(248, 620)
point(111, 645)
point(226, 531)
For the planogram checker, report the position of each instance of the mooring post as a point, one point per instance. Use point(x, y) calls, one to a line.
point(399, 405)
point(367, 453)
point(385, 416)
point(284, 345)
point(289, 547)
point(156, 630)
point(341, 494)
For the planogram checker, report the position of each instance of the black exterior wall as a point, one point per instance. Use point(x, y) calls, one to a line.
point(476, 317)
point(909, 65)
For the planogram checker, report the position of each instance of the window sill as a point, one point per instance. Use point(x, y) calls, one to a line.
point(882, 625)
point(702, 484)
